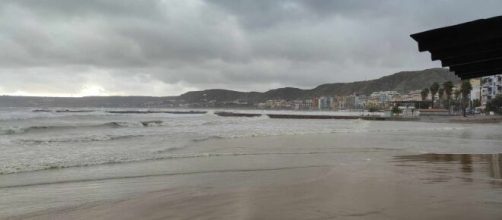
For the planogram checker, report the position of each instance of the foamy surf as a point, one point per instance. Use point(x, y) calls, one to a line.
point(75, 139)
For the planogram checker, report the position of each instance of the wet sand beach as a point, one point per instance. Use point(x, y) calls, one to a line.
point(332, 195)
point(317, 182)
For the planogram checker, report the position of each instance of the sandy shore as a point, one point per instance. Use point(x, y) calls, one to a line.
point(333, 195)
point(374, 185)
point(421, 171)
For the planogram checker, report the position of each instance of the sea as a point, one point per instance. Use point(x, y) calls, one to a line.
point(56, 158)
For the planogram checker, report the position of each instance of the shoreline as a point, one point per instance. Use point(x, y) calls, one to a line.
point(358, 181)
point(330, 193)
point(361, 169)
point(477, 119)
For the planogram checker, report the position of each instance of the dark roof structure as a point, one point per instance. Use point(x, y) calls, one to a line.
point(472, 49)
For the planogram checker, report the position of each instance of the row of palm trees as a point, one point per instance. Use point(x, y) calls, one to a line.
point(447, 90)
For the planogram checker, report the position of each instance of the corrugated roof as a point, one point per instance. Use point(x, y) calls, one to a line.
point(471, 49)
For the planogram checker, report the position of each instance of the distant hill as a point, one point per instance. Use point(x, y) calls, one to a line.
point(82, 102)
point(402, 82)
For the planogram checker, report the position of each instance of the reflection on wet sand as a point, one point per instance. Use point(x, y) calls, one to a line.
point(444, 165)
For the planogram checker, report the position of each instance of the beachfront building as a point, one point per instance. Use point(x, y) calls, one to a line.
point(414, 95)
point(350, 102)
point(382, 99)
point(372, 103)
point(384, 96)
point(297, 104)
point(355, 101)
point(339, 103)
point(308, 104)
point(476, 89)
point(305, 104)
point(343, 102)
point(315, 103)
point(325, 103)
point(361, 101)
point(491, 86)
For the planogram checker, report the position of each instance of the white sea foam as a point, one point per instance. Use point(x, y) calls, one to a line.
point(31, 142)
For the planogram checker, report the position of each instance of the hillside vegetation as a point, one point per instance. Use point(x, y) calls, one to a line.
point(402, 82)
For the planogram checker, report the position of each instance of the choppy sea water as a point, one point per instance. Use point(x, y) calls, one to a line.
point(37, 140)
point(78, 157)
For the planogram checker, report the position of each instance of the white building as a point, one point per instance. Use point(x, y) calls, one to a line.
point(490, 87)
point(476, 89)
point(325, 103)
point(414, 95)
point(384, 96)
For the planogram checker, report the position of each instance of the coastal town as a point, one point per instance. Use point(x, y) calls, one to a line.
point(478, 96)
point(483, 90)
point(439, 98)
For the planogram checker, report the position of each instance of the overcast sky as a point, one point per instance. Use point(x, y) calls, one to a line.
point(167, 47)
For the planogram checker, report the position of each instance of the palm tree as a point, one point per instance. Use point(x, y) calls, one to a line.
point(440, 94)
point(495, 104)
point(465, 89)
point(424, 94)
point(457, 94)
point(448, 88)
point(434, 89)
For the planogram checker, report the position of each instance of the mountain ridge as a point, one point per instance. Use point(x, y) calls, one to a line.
point(402, 82)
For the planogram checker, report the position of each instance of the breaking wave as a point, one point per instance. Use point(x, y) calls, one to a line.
point(207, 138)
point(118, 160)
point(48, 128)
point(165, 174)
point(34, 129)
point(79, 139)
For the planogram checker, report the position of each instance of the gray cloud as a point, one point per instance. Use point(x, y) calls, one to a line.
point(166, 47)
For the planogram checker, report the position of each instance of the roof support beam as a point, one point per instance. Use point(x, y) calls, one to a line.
point(471, 67)
point(472, 58)
point(471, 49)
point(466, 49)
point(459, 34)
point(481, 73)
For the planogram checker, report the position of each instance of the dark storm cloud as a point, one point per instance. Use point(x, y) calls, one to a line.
point(165, 47)
point(263, 13)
